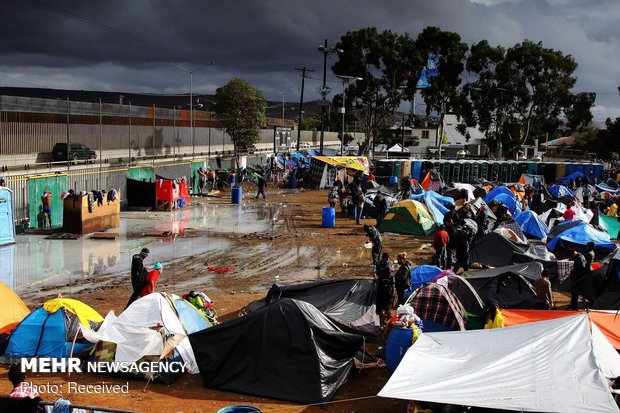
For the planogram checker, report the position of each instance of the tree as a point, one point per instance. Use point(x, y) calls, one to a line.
point(387, 64)
point(579, 114)
point(241, 108)
point(523, 91)
point(444, 94)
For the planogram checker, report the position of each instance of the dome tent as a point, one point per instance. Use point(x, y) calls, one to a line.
point(532, 225)
point(49, 331)
point(408, 217)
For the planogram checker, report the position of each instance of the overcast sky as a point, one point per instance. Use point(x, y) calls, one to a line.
point(128, 45)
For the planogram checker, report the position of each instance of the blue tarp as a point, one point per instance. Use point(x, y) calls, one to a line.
point(435, 204)
point(572, 177)
point(495, 192)
point(560, 191)
point(531, 224)
point(576, 234)
point(423, 274)
point(606, 188)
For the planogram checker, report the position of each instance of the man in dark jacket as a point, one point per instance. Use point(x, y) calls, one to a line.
point(380, 207)
point(374, 236)
point(138, 274)
point(261, 186)
point(580, 271)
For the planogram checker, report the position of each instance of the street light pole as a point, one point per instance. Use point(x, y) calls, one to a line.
point(324, 90)
point(345, 82)
point(191, 101)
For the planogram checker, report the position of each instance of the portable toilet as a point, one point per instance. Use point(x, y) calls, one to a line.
point(465, 171)
point(560, 170)
point(405, 168)
point(532, 168)
point(569, 168)
point(495, 170)
point(515, 171)
point(384, 171)
point(504, 174)
point(484, 170)
point(475, 171)
point(7, 220)
point(598, 172)
point(416, 169)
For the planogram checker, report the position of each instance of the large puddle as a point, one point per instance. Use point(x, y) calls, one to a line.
point(35, 262)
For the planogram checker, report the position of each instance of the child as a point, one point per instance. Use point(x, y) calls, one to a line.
point(332, 197)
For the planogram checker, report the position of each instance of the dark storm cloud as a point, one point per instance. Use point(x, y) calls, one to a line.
point(128, 46)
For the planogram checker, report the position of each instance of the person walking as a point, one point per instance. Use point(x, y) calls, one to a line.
point(151, 279)
point(462, 250)
point(374, 236)
point(261, 186)
point(359, 205)
point(402, 278)
point(544, 296)
point(440, 243)
point(385, 288)
point(46, 200)
point(138, 274)
point(380, 207)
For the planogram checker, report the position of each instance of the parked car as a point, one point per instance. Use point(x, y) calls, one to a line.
point(77, 151)
point(247, 149)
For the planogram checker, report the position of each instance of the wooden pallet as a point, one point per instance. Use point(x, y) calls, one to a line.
point(105, 235)
point(64, 235)
point(262, 235)
point(157, 234)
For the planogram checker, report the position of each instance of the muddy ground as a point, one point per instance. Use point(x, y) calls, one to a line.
point(297, 249)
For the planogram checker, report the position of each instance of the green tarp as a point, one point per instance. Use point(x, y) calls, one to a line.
point(141, 174)
point(609, 224)
point(54, 183)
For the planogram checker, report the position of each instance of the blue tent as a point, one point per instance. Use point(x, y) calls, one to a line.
point(560, 191)
point(576, 234)
point(572, 177)
point(531, 224)
point(497, 191)
point(434, 203)
point(51, 333)
point(423, 274)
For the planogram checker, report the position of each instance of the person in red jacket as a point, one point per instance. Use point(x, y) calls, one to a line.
point(151, 279)
point(440, 242)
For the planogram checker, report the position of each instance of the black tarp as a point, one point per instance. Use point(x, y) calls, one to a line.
point(287, 350)
point(510, 288)
point(140, 194)
point(349, 303)
point(495, 250)
point(609, 298)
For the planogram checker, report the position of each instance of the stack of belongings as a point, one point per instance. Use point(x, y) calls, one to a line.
point(461, 193)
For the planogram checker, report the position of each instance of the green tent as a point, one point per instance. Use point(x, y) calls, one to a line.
point(408, 217)
point(609, 224)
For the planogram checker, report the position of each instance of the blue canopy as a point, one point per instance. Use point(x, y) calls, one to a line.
point(423, 274)
point(497, 191)
point(576, 234)
point(435, 204)
point(572, 177)
point(560, 191)
point(531, 224)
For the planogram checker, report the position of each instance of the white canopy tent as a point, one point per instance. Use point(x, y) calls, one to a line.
point(398, 148)
point(549, 366)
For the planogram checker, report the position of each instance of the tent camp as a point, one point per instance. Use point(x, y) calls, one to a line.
point(438, 308)
point(13, 311)
point(531, 224)
point(423, 274)
point(151, 326)
point(512, 368)
point(349, 303)
point(50, 330)
point(576, 234)
point(560, 191)
point(288, 350)
point(408, 217)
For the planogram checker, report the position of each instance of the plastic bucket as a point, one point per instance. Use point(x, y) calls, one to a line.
point(393, 179)
point(329, 217)
point(236, 194)
point(239, 409)
point(398, 341)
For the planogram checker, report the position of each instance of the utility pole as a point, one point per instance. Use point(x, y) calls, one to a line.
point(301, 101)
point(324, 90)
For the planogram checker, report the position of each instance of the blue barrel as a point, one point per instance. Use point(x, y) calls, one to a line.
point(329, 217)
point(398, 341)
point(239, 409)
point(393, 179)
point(236, 194)
point(292, 181)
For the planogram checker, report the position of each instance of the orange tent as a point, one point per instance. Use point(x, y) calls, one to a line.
point(13, 309)
point(607, 321)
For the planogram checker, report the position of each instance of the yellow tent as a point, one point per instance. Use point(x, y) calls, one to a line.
point(13, 309)
point(83, 312)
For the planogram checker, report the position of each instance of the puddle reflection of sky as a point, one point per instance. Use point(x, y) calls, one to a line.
point(34, 261)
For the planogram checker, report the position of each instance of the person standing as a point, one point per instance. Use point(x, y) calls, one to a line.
point(202, 180)
point(462, 250)
point(544, 296)
point(138, 274)
point(440, 243)
point(585, 194)
point(402, 278)
point(46, 200)
point(385, 288)
point(589, 255)
point(332, 196)
point(151, 279)
point(580, 270)
point(374, 236)
point(380, 207)
point(359, 205)
point(261, 186)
